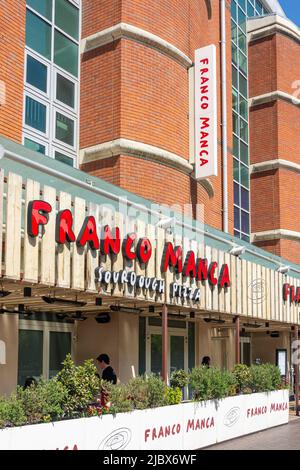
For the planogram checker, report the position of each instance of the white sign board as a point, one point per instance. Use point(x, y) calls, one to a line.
point(181, 427)
point(206, 135)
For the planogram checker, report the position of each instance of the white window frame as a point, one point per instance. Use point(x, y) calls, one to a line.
point(57, 142)
point(38, 98)
point(59, 104)
point(32, 88)
point(27, 135)
point(46, 328)
point(67, 154)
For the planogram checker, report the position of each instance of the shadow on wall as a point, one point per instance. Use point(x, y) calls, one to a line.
point(208, 7)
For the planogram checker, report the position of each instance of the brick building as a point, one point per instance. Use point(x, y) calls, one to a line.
point(97, 106)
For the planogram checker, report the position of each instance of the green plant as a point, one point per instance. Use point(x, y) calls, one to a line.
point(138, 389)
point(44, 401)
point(241, 374)
point(173, 396)
point(11, 411)
point(156, 391)
point(81, 384)
point(211, 383)
point(261, 378)
point(118, 396)
point(179, 378)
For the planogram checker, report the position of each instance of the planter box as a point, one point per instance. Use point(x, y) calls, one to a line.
point(186, 426)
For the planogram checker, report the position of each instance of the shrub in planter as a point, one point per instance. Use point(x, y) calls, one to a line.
point(81, 383)
point(156, 391)
point(139, 392)
point(11, 412)
point(241, 374)
point(211, 383)
point(264, 378)
point(179, 378)
point(43, 402)
point(173, 396)
point(118, 396)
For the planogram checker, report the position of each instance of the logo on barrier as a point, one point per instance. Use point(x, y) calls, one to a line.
point(257, 291)
point(232, 417)
point(117, 440)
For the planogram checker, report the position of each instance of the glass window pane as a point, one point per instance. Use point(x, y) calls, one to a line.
point(250, 11)
point(243, 85)
point(235, 100)
point(156, 354)
point(244, 155)
point(236, 172)
point(258, 6)
point(38, 35)
point(245, 199)
point(176, 353)
point(235, 147)
point(237, 234)
point(64, 159)
point(44, 7)
point(246, 238)
point(242, 4)
point(244, 130)
point(66, 53)
point(65, 91)
point(245, 222)
point(234, 53)
point(242, 41)
point(60, 346)
point(191, 354)
point(234, 32)
point(36, 74)
point(236, 218)
point(64, 129)
point(30, 144)
point(243, 107)
point(35, 114)
point(235, 123)
point(30, 362)
point(233, 10)
point(245, 176)
point(234, 77)
point(243, 63)
point(242, 19)
point(67, 17)
point(236, 194)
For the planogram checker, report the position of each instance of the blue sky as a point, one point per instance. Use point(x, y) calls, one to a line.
point(292, 9)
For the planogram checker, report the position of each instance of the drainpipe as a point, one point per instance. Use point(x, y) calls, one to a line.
point(224, 113)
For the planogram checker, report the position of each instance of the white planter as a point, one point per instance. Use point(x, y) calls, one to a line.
point(186, 426)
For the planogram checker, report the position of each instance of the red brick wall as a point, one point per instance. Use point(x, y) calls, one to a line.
point(274, 132)
point(12, 43)
point(133, 91)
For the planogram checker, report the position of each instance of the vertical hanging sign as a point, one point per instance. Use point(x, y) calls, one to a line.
point(206, 144)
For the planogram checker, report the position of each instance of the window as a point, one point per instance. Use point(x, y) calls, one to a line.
point(65, 91)
point(64, 129)
point(64, 159)
point(43, 347)
point(38, 35)
point(44, 7)
point(36, 74)
point(51, 78)
point(30, 144)
point(67, 18)
point(35, 114)
point(66, 53)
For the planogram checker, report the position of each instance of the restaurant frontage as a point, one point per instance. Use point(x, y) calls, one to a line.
point(88, 268)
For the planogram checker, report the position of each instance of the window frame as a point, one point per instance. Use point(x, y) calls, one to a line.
point(46, 328)
point(39, 99)
point(43, 61)
point(56, 142)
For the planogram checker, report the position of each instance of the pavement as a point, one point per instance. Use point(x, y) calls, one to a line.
point(285, 437)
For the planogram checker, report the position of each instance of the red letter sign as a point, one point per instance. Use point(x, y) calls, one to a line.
point(37, 215)
point(128, 244)
point(64, 222)
point(88, 233)
point(190, 265)
point(109, 243)
point(212, 279)
point(144, 250)
point(173, 258)
point(224, 277)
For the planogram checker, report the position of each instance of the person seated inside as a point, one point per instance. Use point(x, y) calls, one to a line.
point(108, 372)
point(206, 361)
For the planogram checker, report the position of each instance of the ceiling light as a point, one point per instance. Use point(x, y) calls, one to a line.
point(103, 317)
point(58, 300)
point(252, 325)
point(78, 316)
point(27, 292)
point(214, 320)
point(119, 308)
point(4, 293)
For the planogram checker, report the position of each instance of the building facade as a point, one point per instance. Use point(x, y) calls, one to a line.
point(109, 241)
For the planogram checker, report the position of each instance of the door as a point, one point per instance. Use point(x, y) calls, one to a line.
point(245, 350)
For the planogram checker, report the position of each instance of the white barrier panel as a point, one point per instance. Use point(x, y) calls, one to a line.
point(186, 426)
